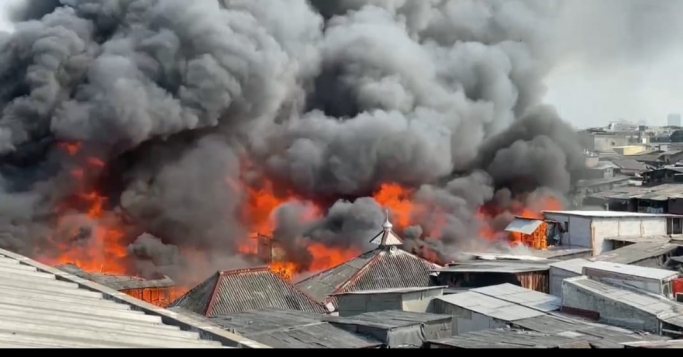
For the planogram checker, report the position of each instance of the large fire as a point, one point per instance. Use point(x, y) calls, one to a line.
point(94, 238)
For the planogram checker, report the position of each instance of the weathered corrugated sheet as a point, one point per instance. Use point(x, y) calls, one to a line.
point(43, 307)
point(119, 282)
point(636, 252)
point(502, 338)
point(244, 290)
point(522, 296)
point(293, 329)
point(381, 268)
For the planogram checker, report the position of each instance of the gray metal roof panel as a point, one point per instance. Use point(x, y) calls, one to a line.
point(292, 329)
point(651, 304)
point(632, 270)
point(244, 290)
point(505, 338)
point(521, 296)
point(506, 267)
point(636, 252)
point(490, 306)
point(572, 265)
point(42, 308)
point(388, 319)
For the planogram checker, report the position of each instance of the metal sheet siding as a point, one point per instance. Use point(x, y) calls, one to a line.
point(537, 281)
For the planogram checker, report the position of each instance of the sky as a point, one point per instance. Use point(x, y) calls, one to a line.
point(625, 61)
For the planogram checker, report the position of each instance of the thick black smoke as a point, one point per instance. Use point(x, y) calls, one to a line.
point(327, 100)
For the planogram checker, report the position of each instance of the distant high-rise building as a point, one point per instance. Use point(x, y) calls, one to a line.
point(673, 120)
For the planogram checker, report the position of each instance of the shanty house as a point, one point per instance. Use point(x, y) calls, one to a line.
point(622, 307)
point(159, 292)
point(381, 268)
point(531, 232)
point(563, 270)
point(669, 174)
point(240, 290)
point(493, 307)
point(652, 254)
point(591, 228)
point(293, 329)
point(397, 329)
point(651, 280)
point(660, 199)
point(399, 299)
point(475, 274)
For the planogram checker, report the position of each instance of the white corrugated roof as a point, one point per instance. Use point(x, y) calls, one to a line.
point(572, 265)
point(521, 296)
point(490, 306)
point(41, 306)
point(523, 225)
point(632, 270)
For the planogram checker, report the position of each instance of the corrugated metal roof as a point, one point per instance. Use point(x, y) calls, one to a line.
point(490, 306)
point(508, 338)
point(506, 267)
point(381, 268)
point(636, 252)
point(572, 265)
point(631, 270)
point(41, 306)
point(600, 335)
point(610, 214)
point(641, 239)
point(118, 282)
point(293, 329)
point(394, 290)
point(661, 307)
point(523, 225)
point(521, 296)
point(233, 291)
point(656, 193)
point(389, 319)
point(655, 344)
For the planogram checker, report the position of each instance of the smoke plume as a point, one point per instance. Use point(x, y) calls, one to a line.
point(325, 101)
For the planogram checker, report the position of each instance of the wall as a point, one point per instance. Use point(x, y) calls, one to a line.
point(606, 143)
point(613, 278)
point(557, 276)
point(538, 281)
point(578, 234)
point(629, 150)
point(466, 320)
point(590, 232)
point(611, 312)
point(675, 206)
point(624, 227)
point(354, 304)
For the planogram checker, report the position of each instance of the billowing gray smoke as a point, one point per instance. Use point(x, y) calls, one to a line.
point(325, 100)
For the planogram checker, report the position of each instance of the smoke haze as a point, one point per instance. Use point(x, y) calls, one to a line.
point(326, 100)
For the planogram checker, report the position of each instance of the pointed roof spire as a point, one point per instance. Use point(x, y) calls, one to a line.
point(387, 237)
point(387, 225)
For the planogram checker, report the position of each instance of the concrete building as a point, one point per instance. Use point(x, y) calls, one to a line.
point(591, 228)
point(44, 307)
point(401, 299)
point(564, 270)
point(629, 150)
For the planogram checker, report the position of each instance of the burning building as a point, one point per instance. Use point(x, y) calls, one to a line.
point(159, 292)
point(387, 266)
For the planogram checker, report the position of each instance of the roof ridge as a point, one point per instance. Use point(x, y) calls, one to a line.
point(358, 273)
point(244, 270)
point(377, 250)
point(296, 289)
